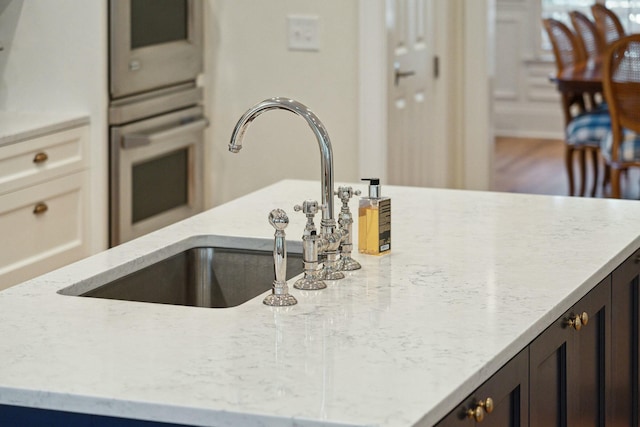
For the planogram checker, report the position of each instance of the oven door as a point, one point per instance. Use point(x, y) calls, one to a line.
point(156, 173)
point(154, 44)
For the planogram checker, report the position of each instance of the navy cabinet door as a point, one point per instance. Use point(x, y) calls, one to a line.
point(509, 391)
point(18, 416)
point(569, 367)
point(625, 300)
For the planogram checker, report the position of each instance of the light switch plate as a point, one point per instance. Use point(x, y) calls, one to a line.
point(303, 32)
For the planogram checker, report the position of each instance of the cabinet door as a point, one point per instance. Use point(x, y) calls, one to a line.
point(625, 301)
point(569, 367)
point(509, 390)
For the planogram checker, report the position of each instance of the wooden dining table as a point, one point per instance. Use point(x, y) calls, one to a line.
point(581, 78)
point(576, 81)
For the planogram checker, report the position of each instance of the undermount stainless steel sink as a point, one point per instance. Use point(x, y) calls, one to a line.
point(202, 277)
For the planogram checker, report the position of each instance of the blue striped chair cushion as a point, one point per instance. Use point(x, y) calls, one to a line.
point(629, 147)
point(589, 128)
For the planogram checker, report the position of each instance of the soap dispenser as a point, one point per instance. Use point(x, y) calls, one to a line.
point(374, 221)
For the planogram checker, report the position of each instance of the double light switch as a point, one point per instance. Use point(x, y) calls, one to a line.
point(303, 32)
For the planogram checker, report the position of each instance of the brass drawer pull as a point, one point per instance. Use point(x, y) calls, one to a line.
point(40, 208)
point(578, 321)
point(478, 412)
point(41, 157)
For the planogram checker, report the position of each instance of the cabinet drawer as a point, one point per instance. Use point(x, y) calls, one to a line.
point(42, 227)
point(39, 159)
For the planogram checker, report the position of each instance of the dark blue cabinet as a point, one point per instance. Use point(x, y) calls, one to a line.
point(18, 416)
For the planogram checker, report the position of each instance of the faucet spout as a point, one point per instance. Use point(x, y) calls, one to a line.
point(324, 143)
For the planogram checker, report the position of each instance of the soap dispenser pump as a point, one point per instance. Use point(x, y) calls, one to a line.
point(374, 221)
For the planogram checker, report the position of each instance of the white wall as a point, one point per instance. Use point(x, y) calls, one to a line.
point(54, 59)
point(248, 61)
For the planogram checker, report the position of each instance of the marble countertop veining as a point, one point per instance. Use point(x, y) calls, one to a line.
point(17, 126)
point(393, 344)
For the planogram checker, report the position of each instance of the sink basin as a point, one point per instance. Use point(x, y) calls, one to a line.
point(203, 277)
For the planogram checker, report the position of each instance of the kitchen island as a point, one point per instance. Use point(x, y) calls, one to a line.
point(472, 279)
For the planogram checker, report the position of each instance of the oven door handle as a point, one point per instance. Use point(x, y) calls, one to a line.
point(133, 140)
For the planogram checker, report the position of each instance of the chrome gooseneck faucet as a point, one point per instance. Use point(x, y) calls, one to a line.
point(329, 231)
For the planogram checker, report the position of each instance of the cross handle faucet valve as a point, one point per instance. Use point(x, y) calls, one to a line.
point(312, 244)
point(345, 221)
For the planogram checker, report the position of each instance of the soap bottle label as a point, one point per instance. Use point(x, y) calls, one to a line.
point(374, 226)
point(384, 228)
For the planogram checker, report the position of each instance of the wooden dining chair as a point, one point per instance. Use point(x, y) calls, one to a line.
point(583, 128)
point(607, 23)
point(621, 81)
point(588, 36)
point(590, 41)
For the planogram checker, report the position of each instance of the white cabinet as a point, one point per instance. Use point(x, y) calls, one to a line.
point(44, 204)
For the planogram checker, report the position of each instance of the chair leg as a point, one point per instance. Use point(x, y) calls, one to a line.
point(607, 176)
point(568, 159)
point(582, 154)
point(615, 183)
point(596, 167)
point(592, 101)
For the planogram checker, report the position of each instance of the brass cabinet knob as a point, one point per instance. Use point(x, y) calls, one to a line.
point(40, 208)
point(584, 318)
point(41, 157)
point(578, 321)
point(487, 405)
point(478, 412)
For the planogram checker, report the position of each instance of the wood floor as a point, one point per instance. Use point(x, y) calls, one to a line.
point(524, 165)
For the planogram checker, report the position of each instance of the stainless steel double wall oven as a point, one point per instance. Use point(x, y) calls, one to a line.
point(156, 120)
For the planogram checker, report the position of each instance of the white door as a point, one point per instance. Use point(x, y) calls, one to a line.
point(411, 101)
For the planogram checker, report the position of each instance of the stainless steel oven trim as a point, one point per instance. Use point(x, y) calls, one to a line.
point(122, 161)
point(133, 140)
point(138, 107)
point(159, 65)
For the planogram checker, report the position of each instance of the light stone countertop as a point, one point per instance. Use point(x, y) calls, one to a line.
point(17, 126)
point(473, 277)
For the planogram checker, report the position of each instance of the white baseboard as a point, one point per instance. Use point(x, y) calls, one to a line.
point(524, 122)
point(527, 133)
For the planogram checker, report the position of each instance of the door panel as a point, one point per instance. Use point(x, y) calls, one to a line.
point(548, 378)
point(591, 353)
point(569, 367)
point(509, 390)
point(625, 339)
point(152, 47)
point(410, 89)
